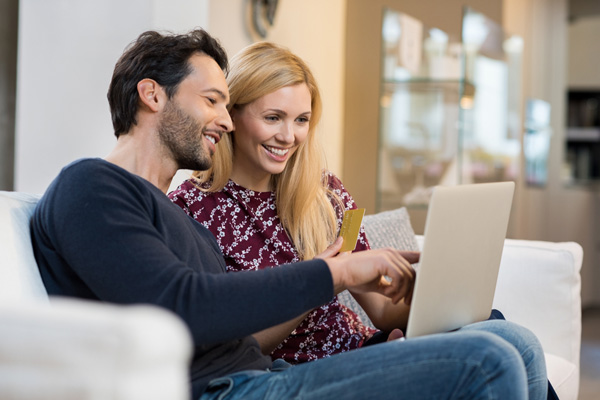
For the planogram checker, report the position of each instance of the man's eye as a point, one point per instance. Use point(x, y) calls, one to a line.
point(212, 100)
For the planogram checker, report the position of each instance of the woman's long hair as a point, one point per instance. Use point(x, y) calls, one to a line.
point(303, 200)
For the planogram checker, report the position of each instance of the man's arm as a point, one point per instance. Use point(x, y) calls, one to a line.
point(103, 235)
point(108, 237)
point(383, 271)
point(387, 312)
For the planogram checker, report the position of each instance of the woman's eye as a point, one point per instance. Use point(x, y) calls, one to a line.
point(272, 118)
point(303, 120)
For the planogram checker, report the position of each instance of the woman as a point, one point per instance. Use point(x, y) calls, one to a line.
point(269, 202)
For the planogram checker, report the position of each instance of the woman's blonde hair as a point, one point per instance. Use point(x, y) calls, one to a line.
point(302, 197)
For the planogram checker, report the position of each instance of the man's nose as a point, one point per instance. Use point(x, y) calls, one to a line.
point(224, 121)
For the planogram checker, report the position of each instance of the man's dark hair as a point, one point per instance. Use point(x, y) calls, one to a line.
point(163, 58)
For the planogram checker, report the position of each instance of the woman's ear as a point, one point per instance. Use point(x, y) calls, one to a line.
point(150, 93)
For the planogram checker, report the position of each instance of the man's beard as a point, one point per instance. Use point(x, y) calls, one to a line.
point(182, 137)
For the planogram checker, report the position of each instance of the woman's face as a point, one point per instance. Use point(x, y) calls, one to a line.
point(266, 134)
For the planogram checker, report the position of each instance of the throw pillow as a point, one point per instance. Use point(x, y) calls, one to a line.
point(390, 229)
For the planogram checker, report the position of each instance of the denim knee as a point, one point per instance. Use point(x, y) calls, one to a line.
point(525, 341)
point(496, 356)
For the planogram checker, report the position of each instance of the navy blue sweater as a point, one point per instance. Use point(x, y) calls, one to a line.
point(102, 233)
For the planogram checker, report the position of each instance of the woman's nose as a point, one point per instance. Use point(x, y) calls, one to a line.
point(287, 133)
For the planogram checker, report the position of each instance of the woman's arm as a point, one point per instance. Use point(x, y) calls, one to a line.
point(384, 314)
point(270, 338)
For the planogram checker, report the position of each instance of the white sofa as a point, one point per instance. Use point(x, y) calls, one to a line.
point(75, 349)
point(539, 287)
point(71, 349)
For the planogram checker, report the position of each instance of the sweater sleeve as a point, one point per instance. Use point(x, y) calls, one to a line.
point(103, 235)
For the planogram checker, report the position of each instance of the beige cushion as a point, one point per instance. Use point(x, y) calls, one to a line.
point(390, 229)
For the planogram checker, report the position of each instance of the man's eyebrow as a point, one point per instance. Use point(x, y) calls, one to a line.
point(220, 93)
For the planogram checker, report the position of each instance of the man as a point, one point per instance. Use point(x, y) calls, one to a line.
point(105, 230)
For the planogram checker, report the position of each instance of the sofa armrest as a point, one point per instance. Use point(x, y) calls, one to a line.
point(77, 349)
point(20, 279)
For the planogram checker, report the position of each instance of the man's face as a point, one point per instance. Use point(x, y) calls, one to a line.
point(193, 121)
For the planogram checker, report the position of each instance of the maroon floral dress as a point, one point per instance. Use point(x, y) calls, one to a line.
point(251, 237)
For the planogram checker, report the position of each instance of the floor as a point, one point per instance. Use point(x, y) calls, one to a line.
point(589, 388)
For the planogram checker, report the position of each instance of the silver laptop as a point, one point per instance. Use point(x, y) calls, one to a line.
point(463, 241)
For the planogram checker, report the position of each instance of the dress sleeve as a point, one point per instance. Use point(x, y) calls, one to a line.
point(180, 197)
point(208, 208)
point(346, 203)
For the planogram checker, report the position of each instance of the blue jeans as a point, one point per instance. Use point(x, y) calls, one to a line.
point(488, 360)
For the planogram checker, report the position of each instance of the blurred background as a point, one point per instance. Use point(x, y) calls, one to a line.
point(416, 93)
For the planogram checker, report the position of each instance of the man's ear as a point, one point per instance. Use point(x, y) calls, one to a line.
point(150, 93)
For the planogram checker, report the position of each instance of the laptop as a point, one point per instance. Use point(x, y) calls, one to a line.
point(464, 236)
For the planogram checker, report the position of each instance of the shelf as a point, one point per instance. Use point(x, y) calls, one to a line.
point(583, 134)
point(444, 108)
point(427, 81)
point(422, 84)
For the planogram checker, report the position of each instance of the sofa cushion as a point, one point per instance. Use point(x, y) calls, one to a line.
point(553, 269)
point(564, 376)
point(19, 276)
point(539, 287)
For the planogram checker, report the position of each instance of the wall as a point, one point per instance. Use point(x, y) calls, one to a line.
point(313, 29)
point(67, 51)
point(584, 52)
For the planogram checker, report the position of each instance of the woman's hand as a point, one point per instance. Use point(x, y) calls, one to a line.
point(333, 249)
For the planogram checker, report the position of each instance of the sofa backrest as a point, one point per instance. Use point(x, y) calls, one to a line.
point(20, 280)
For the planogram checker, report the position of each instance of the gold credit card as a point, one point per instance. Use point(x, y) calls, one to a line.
point(350, 228)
